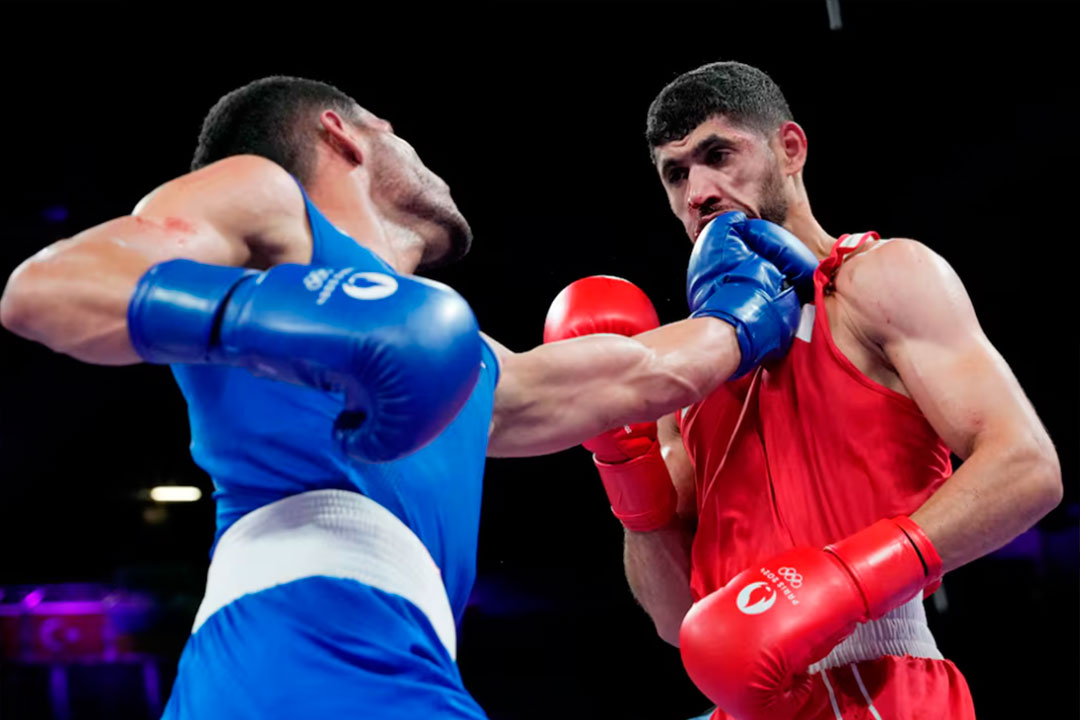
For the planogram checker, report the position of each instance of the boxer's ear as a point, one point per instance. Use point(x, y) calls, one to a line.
point(343, 136)
point(790, 146)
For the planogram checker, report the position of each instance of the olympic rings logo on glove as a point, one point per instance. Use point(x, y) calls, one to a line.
point(314, 280)
point(794, 579)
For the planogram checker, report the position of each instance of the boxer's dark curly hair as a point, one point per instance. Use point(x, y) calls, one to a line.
point(741, 93)
point(275, 117)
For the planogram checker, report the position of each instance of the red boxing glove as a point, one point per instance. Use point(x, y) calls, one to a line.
point(628, 458)
point(747, 646)
point(599, 304)
point(635, 476)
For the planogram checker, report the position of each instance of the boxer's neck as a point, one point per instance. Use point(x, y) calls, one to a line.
point(347, 204)
point(803, 225)
point(404, 246)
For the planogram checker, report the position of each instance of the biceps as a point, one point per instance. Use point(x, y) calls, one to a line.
point(964, 387)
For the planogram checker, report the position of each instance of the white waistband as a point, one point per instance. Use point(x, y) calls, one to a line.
point(333, 533)
point(901, 632)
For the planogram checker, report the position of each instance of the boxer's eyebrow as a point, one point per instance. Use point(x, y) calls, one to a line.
point(667, 165)
point(711, 142)
point(699, 150)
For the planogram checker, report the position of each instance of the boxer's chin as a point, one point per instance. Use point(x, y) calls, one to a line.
point(451, 239)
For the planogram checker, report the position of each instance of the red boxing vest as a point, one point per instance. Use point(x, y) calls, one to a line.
point(803, 453)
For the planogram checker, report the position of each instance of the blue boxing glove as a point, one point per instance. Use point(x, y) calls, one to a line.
point(727, 279)
point(404, 351)
point(785, 251)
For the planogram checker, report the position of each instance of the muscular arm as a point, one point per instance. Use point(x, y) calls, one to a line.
point(911, 305)
point(563, 393)
point(73, 295)
point(658, 563)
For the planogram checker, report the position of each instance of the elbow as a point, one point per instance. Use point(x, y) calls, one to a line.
point(28, 299)
point(1047, 486)
point(17, 305)
point(1040, 479)
point(32, 289)
point(668, 623)
point(668, 632)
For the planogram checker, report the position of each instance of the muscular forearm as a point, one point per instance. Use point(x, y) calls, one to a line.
point(73, 296)
point(1001, 490)
point(561, 394)
point(661, 371)
point(699, 354)
point(658, 569)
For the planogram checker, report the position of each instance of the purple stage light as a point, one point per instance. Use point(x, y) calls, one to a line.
point(55, 214)
point(499, 597)
point(1026, 546)
point(69, 622)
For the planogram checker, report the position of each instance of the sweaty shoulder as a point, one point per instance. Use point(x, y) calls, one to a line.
point(248, 199)
point(900, 287)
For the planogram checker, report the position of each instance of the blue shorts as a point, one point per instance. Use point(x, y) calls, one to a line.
point(318, 647)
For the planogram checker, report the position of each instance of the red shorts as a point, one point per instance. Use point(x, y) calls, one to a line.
point(890, 688)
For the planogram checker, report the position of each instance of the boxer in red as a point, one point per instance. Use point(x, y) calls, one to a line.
point(784, 531)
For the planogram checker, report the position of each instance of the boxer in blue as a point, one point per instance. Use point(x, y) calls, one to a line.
point(344, 406)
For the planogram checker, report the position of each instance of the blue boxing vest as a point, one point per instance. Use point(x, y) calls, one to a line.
point(261, 440)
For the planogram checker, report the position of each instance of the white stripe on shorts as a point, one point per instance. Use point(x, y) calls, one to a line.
point(866, 695)
point(335, 533)
point(832, 695)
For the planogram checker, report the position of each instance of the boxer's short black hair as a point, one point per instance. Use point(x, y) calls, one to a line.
point(275, 117)
point(743, 94)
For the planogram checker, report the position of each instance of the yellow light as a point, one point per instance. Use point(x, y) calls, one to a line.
point(175, 493)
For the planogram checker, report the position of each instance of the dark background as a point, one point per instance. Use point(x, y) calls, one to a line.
point(947, 121)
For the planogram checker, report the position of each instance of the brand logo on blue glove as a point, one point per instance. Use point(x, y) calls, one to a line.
point(755, 598)
point(316, 278)
point(369, 286)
